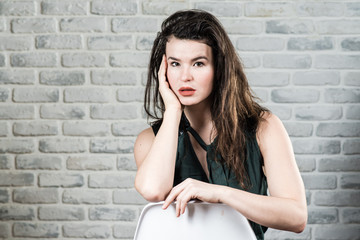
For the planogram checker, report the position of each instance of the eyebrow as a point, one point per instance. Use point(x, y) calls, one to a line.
point(193, 60)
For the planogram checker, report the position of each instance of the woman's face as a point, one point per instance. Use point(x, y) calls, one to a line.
point(190, 70)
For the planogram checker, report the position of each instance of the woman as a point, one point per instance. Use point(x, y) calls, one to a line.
point(211, 140)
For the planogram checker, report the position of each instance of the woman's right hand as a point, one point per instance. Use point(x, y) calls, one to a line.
point(171, 101)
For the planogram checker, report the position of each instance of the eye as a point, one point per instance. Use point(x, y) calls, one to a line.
point(199, 64)
point(174, 64)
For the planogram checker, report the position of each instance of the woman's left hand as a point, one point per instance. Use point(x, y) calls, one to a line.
point(192, 189)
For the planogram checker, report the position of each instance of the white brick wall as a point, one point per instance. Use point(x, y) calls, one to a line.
point(72, 77)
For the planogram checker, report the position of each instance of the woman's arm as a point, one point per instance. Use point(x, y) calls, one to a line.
point(155, 156)
point(284, 209)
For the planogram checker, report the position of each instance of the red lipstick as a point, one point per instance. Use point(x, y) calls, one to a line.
point(186, 91)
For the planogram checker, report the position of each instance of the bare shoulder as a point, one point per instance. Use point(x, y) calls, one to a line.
point(143, 144)
point(269, 128)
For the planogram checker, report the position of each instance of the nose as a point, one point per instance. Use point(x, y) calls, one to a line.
point(186, 74)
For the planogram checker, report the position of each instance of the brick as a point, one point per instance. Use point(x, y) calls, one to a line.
point(91, 163)
point(343, 198)
point(137, 24)
point(17, 77)
point(316, 78)
point(293, 61)
point(144, 42)
point(33, 59)
point(339, 164)
point(128, 196)
point(269, 10)
point(283, 112)
point(338, 130)
point(58, 42)
point(2, 60)
point(122, 179)
point(36, 196)
point(63, 8)
point(338, 27)
point(17, 146)
point(314, 146)
point(130, 94)
point(81, 24)
point(352, 79)
point(350, 181)
point(304, 44)
point(353, 112)
point(110, 42)
point(35, 128)
point(292, 95)
point(112, 213)
point(111, 146)
point(33, 25)
point(124, 230)
point(127, 59)
point(4, 196)
point(296, 129)
point(113, 7)
point(162, 8)
point(351, 215)
point(128, 128)
point(5, 161)
point(337, 61)
point(62, 112)
point(4, 94)
point(237, 26)
point(126, 162)
point(15, 43)
point(319, 181)
point(268, 79)
point(84, 196)
point(62, 146)
point(314, 9)
point(60, 213)
point(306, 164)
point(36, 94)
point(250, 61)
point(17, 8)
point(4, 230)
point(261, 94)
point(2, 25)
point(35, 230)
point(113, 78)
point(87, 95)
point(81, 230)
point(17, 112)
point(62, 78)
point(352, 9)
point(113, 112)
point(260, 44)
point(342, 95)
point(351, 147)
point(322, 216)
point(84, 59)
point(337, 232)
point(16, 213)
point(60, 180)
point(273, 234)
point(351, 44)
point(4, 131)
point(318, 113)
point(86, 129)
point(290, 26)
point(42, 162)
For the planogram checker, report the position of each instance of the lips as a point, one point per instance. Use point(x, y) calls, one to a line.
point(186, 91)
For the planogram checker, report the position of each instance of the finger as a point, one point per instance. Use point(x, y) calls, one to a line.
point(171, 197)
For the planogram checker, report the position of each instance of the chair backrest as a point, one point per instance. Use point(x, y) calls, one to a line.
point(200, 221)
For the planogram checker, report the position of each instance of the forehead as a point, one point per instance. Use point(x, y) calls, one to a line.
point(187, 49)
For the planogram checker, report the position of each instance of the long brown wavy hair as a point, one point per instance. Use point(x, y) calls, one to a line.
point(234, 111)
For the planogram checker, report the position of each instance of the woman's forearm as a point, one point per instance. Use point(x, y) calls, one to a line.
point(155, 176)
point(275, 212)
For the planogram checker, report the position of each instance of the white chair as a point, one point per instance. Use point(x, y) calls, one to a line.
point(200, 221)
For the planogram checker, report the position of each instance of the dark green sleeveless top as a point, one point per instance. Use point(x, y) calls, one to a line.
point(188, 166)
